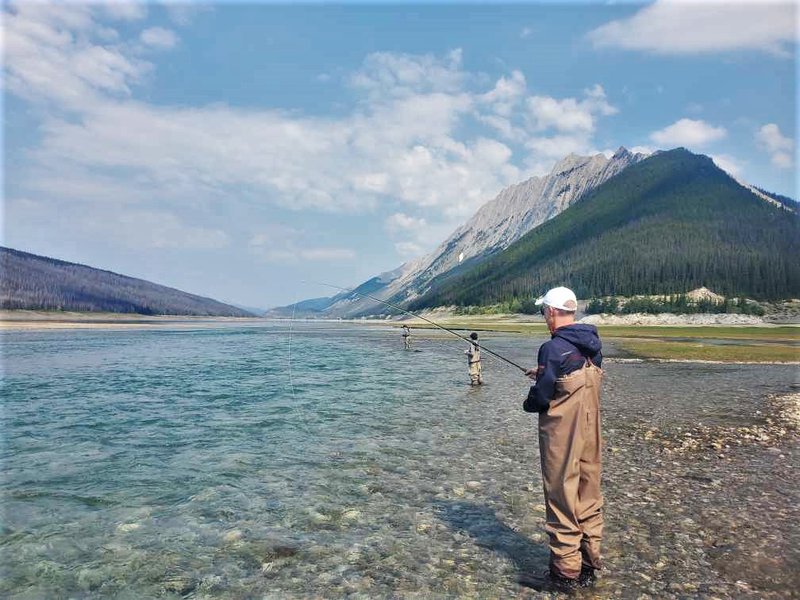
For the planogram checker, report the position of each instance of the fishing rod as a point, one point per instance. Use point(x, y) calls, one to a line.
point(408, 312)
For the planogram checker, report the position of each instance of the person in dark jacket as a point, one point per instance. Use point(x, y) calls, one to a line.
point(567, 397)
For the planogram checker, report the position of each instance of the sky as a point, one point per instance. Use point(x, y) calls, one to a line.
point(242, 150)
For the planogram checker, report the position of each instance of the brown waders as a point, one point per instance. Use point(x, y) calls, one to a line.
point(569, 444)
point(475, 373)
point(474, 360)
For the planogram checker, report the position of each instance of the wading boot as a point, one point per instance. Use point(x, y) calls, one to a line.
point(547, 581)
point(559, 583)
point(587, 578)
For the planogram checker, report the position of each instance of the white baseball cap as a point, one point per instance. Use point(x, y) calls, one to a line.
point(560, 297)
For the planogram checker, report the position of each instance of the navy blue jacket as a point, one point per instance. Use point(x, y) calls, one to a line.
point(567, 351)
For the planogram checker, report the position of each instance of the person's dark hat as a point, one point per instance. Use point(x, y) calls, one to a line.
point(473, 336)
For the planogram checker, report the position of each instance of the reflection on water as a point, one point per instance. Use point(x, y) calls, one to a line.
point(251, 462)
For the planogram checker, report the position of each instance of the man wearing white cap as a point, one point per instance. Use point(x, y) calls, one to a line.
point(567, 397)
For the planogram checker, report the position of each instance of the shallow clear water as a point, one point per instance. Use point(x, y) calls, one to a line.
point(302, 459)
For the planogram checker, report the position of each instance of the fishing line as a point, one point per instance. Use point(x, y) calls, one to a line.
point(408, 312)
point(303, 418)
point(291, 327)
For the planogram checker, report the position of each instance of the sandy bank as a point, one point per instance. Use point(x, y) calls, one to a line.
point(667, 319)
point(34, 320)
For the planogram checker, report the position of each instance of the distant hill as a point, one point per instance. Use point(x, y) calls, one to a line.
point(29, 281)
point(670, 223)
point(306, 308)
point(319, 307)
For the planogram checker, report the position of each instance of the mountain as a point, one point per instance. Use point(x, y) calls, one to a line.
point(253, 310)
point(500, 222)
point(667, 224)
point(313, 307)
point(36, 282)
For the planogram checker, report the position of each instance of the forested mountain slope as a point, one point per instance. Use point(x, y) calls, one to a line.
point(498, 223)
point(670, 223)
point(29, 281)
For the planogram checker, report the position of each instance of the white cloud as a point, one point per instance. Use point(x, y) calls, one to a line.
point(688, 26)
point(570, 114)
point(284, 244)
point(158, 37)
point(125, 10)
point(727, 163)
point(42, 16)
point(394, 74)
point(526, 32)
point(506, 94)
point(558, 127)
point(564, 115)
point(50, 56)
point(688, 132)
point(414, 236)
point(642, 150)
point(402, 222)
point(780, 147)
point(410, 139)
point(504, 127)
point(314, 163)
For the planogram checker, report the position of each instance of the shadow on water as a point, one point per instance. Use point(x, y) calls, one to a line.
point(482, 525)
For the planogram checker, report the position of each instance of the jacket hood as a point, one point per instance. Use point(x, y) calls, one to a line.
point(583, 337)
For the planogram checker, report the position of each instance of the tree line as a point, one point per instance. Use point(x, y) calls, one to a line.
point(679, 304)
point(670, 224)
point(39, 283)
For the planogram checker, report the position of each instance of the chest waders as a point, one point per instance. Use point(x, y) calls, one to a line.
point(570, 449)
point(474, 361)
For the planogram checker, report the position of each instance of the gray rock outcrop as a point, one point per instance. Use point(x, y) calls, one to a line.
point(500, 222)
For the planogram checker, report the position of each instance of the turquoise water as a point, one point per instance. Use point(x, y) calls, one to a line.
point(145, 461)
point(280, 460)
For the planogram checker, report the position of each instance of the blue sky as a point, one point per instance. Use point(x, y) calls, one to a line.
point(235, 150)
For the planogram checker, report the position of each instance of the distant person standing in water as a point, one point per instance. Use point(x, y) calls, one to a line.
point(567, 397)
point(474, 360)
point(406, 337)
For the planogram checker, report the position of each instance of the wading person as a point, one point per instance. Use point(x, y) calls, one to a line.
point(474, 360)
point(567, 397)
point(406, 337)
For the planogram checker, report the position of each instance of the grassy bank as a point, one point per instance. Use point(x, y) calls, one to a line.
point(752, 344)
point(697, 350)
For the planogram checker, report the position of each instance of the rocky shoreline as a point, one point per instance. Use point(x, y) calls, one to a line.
point(705, 511)
point(665, 319)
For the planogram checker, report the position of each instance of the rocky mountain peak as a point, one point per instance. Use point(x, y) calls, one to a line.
point(569, 162)
point(622, 152)
point(501, 221)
